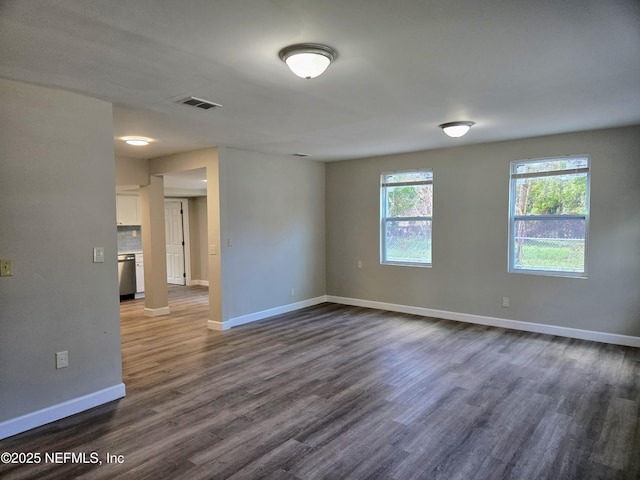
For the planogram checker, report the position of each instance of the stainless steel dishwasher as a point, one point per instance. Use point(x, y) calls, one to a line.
point(127, 275)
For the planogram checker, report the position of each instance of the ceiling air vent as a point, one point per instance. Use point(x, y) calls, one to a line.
point(199, 103)
point(299, 154)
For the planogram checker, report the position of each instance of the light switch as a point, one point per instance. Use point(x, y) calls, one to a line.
point(213, 250)
point(98, 255)
point(6, 267)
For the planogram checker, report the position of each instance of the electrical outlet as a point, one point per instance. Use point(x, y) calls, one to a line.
point(292, 292)
point(359, 263)
point(505, 302)
point(62, 359)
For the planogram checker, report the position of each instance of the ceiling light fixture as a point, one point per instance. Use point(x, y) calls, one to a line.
point(456, 129)
point(308, 60)
point(137, 141)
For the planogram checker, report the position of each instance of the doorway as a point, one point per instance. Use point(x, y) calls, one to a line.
point(177, 245)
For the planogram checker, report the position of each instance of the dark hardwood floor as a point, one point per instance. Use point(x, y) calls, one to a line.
point(341, 392)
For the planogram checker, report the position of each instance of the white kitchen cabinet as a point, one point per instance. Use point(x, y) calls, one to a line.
point(128, 209)
point(139, 273)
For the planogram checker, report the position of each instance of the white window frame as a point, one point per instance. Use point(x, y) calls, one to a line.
point(384, 218)
point(513, 218)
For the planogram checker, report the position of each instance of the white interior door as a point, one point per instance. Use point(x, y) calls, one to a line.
point(175, 242)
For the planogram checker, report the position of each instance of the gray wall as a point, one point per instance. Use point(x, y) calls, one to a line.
point(57, 202)
point(273, 211)
point(469, 274)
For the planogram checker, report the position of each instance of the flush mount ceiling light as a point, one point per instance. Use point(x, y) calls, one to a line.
point(456, 129)
point(136, 141)
point(308, 60)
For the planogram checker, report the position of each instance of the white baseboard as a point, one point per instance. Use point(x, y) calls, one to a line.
point(202, 283)
point(602, 337)
point(254, 317)
point(156, 312)
point(50, 414)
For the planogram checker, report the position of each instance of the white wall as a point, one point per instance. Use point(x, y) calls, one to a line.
point(469, 274)
point(273, 213)
point(57, 202)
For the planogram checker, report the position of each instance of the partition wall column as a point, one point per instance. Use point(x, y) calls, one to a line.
point(215, 321)
point(154, 247)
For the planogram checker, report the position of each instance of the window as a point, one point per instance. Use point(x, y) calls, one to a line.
point(549, 216)
point(406, 210)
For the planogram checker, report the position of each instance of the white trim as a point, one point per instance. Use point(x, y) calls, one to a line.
point(186, 239)
point(156, 312)
point(602, 337)
point(513, 177)
point(50, 414)
point(261, 315)
point(202, 283)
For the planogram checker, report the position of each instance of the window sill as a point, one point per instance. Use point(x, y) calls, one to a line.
point(407, 264)
point(546, 273)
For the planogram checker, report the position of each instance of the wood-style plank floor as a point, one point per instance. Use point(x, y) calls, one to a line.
point(335, 392)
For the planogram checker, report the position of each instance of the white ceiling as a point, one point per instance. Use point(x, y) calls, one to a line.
point(517, 68)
